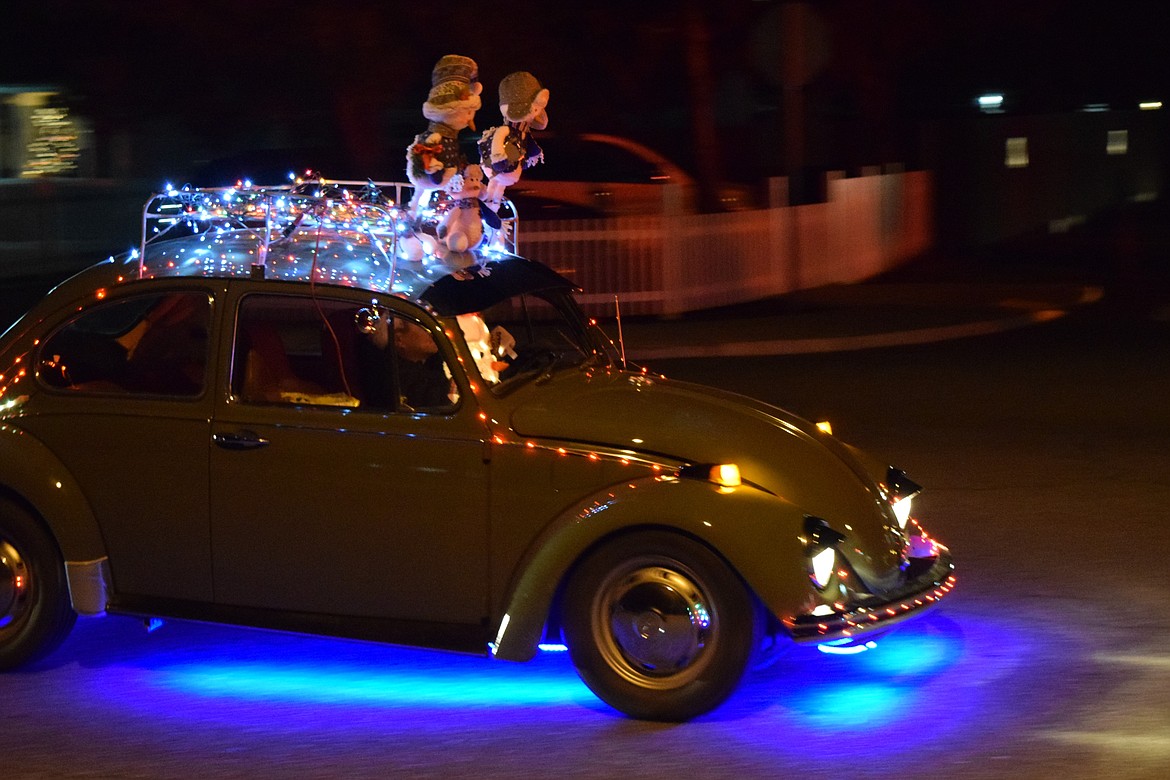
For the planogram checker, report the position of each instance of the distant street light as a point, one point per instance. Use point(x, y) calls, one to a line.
point(991, 103)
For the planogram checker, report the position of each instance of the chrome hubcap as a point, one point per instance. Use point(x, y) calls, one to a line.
point(14, 584)
point(659, 623)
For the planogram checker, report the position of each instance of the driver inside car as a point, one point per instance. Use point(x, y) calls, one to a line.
point(422, 378)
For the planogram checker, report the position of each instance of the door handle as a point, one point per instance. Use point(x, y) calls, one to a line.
point(244, 440)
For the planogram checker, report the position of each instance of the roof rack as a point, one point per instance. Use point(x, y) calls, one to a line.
point(351, 233)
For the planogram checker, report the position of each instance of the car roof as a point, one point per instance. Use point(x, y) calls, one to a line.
point(491, 283)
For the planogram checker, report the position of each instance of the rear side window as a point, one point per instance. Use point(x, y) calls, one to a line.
point(146, 345)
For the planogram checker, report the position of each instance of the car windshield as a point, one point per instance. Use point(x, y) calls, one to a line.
point(530, 337)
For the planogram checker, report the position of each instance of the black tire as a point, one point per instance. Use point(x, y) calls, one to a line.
point(658, 626)
point(35, 612)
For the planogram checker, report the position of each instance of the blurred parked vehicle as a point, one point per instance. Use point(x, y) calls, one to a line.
point(612, 176)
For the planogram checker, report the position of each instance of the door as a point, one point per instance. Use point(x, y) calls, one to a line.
point(345, 488)
point(125, 407)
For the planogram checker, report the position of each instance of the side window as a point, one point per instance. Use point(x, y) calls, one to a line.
point(321, 352)
point(147, 345)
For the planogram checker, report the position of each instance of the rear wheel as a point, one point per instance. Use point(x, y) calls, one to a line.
point(35, 613)
point(658, 626)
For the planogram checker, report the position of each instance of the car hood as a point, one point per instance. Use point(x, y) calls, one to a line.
point(774, 449)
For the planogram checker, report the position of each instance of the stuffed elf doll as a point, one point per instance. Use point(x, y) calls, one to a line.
point(507, 150)
point(434, 161)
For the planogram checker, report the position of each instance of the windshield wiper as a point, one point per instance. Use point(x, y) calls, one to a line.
point(554, 364)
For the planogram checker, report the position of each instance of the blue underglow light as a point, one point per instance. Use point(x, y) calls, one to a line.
point(549, 647)
point(833, 648)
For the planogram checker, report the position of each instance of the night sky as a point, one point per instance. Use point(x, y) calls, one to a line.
point(189, 82)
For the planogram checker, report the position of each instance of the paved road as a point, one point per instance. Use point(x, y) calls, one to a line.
point(1043, 450)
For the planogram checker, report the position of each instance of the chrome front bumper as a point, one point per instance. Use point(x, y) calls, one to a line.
point(919, 596)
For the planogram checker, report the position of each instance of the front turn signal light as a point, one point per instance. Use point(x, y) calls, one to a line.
point(725, 475)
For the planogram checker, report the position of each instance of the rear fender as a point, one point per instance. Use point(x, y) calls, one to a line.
point(36, 478)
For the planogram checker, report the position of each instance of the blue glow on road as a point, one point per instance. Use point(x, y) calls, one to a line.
point(833, 692)
point(344, 685)
point(911, 653)
point(925, 684)
point(890, 686)
point(853, 706)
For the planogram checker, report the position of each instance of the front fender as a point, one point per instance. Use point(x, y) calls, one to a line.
point(33, 475)
point(756, 532)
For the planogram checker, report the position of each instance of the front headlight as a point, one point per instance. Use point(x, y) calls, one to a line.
point(823, 564)
point(902, 507)
point(900, 492)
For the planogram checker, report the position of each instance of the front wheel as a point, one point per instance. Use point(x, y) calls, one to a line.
point(35, 613)
point(658, 626)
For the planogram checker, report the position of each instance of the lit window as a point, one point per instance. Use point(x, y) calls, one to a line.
point(55, 143)
point(1117, 142)
point(1016, 153)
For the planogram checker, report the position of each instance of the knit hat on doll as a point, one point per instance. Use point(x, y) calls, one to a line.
point(522, 99)
point(454, 85)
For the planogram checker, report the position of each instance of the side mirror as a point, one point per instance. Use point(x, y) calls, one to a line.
point(366, 320)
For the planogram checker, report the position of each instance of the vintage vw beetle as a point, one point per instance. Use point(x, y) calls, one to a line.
point(273, 414)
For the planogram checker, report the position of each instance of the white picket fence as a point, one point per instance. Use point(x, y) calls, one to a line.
point(668, 264)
